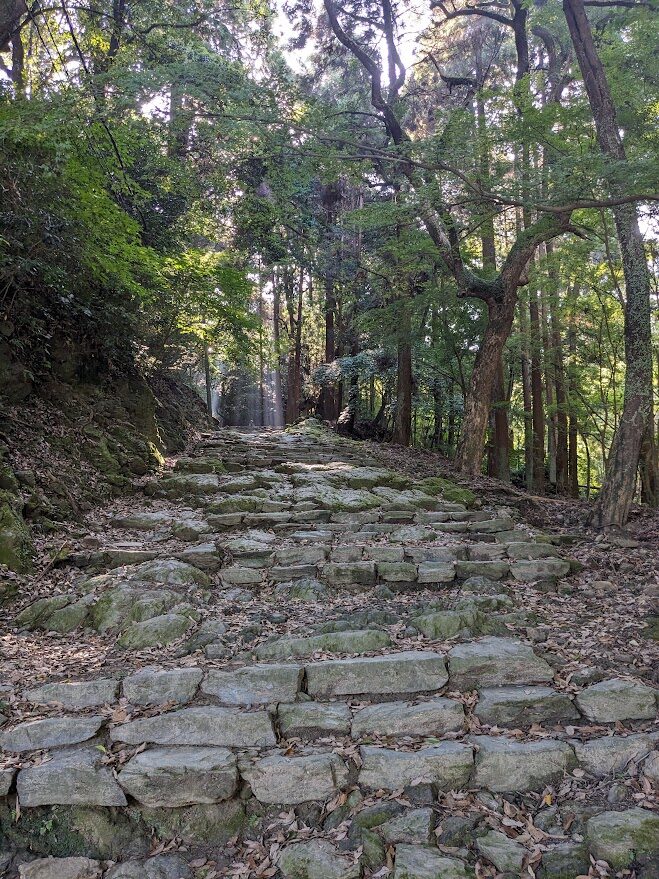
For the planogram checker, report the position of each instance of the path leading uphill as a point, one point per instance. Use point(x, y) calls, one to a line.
point(284, 662)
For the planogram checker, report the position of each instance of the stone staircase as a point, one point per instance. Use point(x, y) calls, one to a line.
point(320, 669)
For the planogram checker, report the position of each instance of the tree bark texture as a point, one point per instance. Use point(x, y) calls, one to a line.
point(617, 492)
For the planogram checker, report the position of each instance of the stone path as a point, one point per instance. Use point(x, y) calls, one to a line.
point(303, 666)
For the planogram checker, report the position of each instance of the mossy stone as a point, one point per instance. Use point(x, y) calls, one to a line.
point(16, 548)
point(456, 494)
point(40, 611)
point(203, 824)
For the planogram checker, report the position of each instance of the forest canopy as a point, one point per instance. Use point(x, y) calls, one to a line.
point(430, 223)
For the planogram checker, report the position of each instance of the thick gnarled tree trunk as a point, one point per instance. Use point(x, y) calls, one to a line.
point(619, 484)
point(477, 406)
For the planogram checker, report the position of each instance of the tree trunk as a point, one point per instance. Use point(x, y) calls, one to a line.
point(559, 377)
point(207, 376)
point(403, 424)
point(526, 395)
point(477, 404)
point(573, 425)
point(617, 492)
point(537, 408)
point(330, 404)
point(294, 353)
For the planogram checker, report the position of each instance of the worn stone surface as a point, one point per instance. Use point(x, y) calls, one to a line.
point(61, 868)
point(291, 780)
point(75, 694)
point(506, 854)
point(620, 837)
point(422, 862)
point(161, 629)
point(210, 725)
point(537, 569)
point(444, 624)
point(349, 574)
point(611, 755)
point(495, 662)
point(71, 778)
point(52, 732)
point(6, 780)
point(504, 765)
point(522, 706)
point(433, 572)
point(316, 859)
point(413, 826)
point(180, 776)
point(255, 684)
point(408, 672)
point(565, 861)
point(364, 641)
point(152, 686)
point(448, 765)
point(309, 720)
point(158, 867)
point(433, 718)
point(617, 699)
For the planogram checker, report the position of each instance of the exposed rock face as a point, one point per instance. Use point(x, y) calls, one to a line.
point(71, 778)
point(50, 733)
point(224, 727)
point(506, 854)
point(503, 765)
point(619, 838)
point(617, 699)
point(83, 694)
point(310, 720)
point(413, 672)
point(420, 862)
point(290, 780)
point(255, 684)
point(435, 717)
point(173, 777)
point(316, 859)
point(156, 686)
point(496, 662)
point(522, 706)
point(611, 755)
point(447, 765)
point(61, 868)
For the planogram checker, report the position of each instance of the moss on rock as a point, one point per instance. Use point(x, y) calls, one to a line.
point(456, 494)
point(16, 548)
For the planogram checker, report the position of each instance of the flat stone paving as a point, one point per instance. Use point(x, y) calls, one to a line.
point(312, 642)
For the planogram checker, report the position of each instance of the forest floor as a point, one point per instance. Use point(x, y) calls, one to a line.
point(304, 538)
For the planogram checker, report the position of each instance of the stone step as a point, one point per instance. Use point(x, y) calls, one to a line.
point(189, 767)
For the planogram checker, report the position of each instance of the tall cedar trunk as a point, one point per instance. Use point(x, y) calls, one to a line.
point(573, 424)
point(549, 387)
point(261, 357)
point(498, 459)
point(559, 377)
point(526, 394)
point(294, 334)
point(331, 197)
point(436, 384)
point(477, 404)
point(537, 407)
point(298, 341)
point(619, 484)
point(403, 425)
point(501, 431)
point(330, 403)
